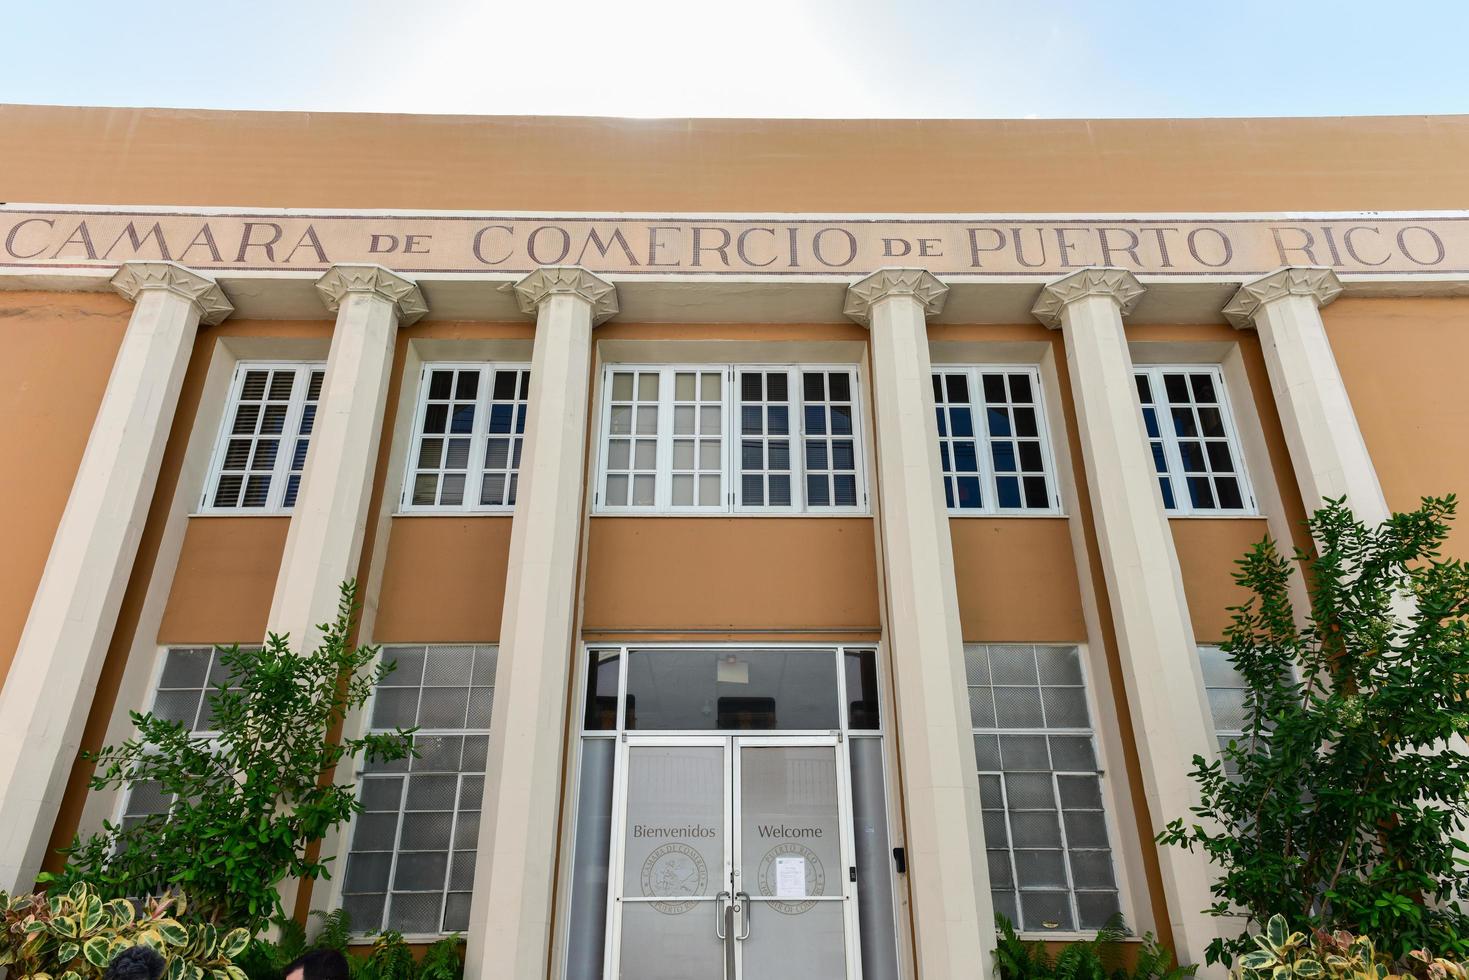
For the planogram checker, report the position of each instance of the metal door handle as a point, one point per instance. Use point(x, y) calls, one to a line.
point(719, 906)
point(743, 906)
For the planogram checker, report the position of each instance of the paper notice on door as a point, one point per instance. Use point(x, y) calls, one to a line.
point(790, 877)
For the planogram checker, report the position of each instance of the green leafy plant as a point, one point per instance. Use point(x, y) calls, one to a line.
point(444, 960)
point(334, 931)
point(389, 959)
point(250, 801)
point(75, 934)
point(1281, 954)
point(1344, 805)
point(1100, 958)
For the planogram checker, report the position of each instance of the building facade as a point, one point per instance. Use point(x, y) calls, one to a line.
point(797, 542)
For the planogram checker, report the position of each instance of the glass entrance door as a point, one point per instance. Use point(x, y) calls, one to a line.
point(734, 859)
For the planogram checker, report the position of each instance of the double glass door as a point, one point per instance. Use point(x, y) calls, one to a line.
point(733, 858)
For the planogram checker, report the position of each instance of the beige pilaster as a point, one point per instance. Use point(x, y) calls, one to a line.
point(48, 692)
point(1155, 638)
point(324, 542)
point(1327, 450)
point(511, 912)
point(953, 915)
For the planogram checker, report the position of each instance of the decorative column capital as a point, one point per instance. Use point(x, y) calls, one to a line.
point(1317, 282)
point(342, 280)
point(1119, 285)
point(572, 280)
point(920, 284)
point(135, 277)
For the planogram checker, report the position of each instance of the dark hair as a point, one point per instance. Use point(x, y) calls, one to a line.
point(136, 963)
point(320, 964)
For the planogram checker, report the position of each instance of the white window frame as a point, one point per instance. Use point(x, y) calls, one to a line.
point(980, 419)
point(730, 485)
point(1182, 499)
point(290, 432)
point(479, 435)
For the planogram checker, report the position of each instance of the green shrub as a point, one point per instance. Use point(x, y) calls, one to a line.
point(1281, 954)
point(1100, 958)
point(74, 935)
point(1345, 804)
point(250, 801)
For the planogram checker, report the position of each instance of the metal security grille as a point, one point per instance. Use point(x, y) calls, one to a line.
point(1045, 826)
point(410, 865)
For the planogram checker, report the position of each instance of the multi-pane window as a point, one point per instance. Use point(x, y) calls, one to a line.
point(410, 866)
point(1191, 436)
point(716, 438)
point(1226, 688)
point(1045, 826)
point(468, 436)
point(261, 450)
point(992, 440)
point(190, 675)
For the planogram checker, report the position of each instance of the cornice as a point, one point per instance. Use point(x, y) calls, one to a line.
point(920, 284)
point(573, 280)
point(135, 277)
point(1317, 282)
point(342, 280)
point(1119, 285)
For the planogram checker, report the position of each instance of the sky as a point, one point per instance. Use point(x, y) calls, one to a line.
point(784, 58)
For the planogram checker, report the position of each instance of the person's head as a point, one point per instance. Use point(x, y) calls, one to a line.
point(136, 963)
point(318, 964)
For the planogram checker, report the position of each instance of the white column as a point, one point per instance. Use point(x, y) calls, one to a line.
point(48, 692)
point(948, 874)
point(1155, 638)
point(511, 911)
point(1326, 446)
point(324, 541)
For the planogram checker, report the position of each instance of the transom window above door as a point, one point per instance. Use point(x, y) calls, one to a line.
point(721, 438)
point(468, 432)
point(1193, 441)
point(993, 447)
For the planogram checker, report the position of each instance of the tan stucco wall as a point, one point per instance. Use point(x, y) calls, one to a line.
point(59, 350)
point(731, 573)
point(1017, 580)
point(444, 580)
point(226, 576)
point(1207, 550)
point(320, 160)
point(1404, 363)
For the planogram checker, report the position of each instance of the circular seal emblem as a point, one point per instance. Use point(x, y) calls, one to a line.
point(674, 870)
point(815, 876)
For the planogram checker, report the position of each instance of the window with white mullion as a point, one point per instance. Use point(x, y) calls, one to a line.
point(630, 468)
point(1192, 439)
point(967, 485)
point(508, 395)
point(1016, 435)
point(993, 445)
point(468, 434)
point(695, 397)
point(260, 453)
point(769, 470)
point(829, 438)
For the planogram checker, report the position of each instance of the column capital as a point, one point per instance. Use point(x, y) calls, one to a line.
point(573, 280)
point(920, 284)
point(1317, 282)
point(343, 279)
point(1118, 284)
point(132, 278)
